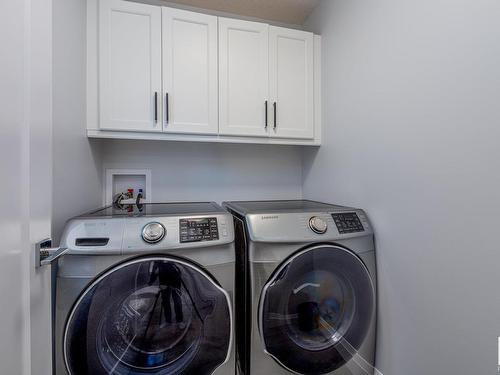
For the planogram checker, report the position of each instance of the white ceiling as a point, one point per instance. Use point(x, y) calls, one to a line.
point(286, 11)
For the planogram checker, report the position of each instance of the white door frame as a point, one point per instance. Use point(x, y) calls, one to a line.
point(26, 157)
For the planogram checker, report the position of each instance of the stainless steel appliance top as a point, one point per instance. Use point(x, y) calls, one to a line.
point(280, 206)
point(157, 209)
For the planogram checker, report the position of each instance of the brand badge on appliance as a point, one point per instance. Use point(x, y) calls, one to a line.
point(274, 217)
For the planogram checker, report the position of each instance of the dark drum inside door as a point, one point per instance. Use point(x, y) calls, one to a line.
point(316, 309)
point(151, 315)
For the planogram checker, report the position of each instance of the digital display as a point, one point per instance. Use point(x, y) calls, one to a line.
point(347, 222)
point(195, 230)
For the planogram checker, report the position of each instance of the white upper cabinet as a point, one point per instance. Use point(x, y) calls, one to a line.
point(129, 66)
point(291, 67)
point(162, 73)
point(190, 102)
point(243, 77)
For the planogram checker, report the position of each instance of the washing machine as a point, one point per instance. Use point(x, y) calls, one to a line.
point(146, 289)
point(306, 288)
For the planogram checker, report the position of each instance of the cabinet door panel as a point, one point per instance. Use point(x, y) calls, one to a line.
point(243, 75)
point(129, 66)
point(291, 82)
point(190, 72)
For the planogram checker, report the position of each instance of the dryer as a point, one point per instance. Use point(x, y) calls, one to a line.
point(306, 288)
point(146, 290)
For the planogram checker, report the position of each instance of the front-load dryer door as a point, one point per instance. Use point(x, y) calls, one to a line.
point(153, 315)
point(316, 309)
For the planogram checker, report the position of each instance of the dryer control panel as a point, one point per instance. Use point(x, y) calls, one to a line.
point(347, 222)
point(308, 226)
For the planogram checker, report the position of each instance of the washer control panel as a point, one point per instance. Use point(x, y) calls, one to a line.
point(198, 229)
point(347, 222)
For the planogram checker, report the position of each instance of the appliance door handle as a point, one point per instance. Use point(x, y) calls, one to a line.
point(265, 107)
point(275, 124)
point(156, 107)
point(166, 108)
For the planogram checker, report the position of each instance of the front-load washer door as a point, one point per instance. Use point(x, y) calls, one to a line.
point(316, 309)
point(152, 315)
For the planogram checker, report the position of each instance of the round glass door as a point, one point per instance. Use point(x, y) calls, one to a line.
point(316, 309)
point(151, 315)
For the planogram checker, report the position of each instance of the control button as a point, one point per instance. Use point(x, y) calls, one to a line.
point(318, 225)
point(153, 232)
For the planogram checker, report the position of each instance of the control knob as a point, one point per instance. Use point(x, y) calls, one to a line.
point(153, 232)
point(318, 225)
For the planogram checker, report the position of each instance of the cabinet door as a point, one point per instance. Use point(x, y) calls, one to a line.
point(129, 66)
point(189, 72)
point(243, 77)
point(291, 82)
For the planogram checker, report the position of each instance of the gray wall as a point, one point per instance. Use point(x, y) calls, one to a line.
point(200, 171)
point(76, 160)
point(411, 134)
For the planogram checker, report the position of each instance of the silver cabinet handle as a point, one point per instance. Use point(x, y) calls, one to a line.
point(265, 106)
point(275, 124)
point(156, 107)
point(45, 254)
point(166, 107)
